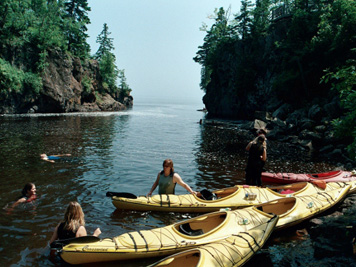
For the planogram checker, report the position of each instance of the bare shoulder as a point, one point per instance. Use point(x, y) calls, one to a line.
point(176, 176)
point(21, 200)
point(81, 231)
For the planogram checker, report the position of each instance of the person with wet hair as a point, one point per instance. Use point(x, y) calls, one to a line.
point(167, 180)
point(73, 224)
point(256, 160)
point(28, 194)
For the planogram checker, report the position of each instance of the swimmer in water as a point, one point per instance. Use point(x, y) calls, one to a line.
point(28, 194)
point(52, 158)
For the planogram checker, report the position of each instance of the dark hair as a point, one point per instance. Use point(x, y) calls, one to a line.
point(168, 162)
point(261, 138)
point(27, 187)
point(262, 131)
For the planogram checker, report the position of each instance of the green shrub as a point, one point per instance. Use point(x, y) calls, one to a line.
point(14, 80)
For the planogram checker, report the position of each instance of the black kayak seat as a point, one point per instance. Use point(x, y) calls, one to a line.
point(121, 194)
point(58, 244)
point(207, 195)
point(185, 229)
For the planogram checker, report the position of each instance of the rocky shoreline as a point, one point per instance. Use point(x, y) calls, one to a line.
point(326, 240)
point(309, 129)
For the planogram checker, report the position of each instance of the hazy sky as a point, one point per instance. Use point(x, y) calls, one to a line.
point(155, 42)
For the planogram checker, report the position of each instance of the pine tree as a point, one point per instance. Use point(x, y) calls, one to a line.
point(105, 43)
point(75, 26)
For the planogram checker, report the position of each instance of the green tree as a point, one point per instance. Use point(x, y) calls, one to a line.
point(109, 72)
point(206, 54)
point(123, 86)
point(244, 19)
point(260, 22)
point(106, 58)
point(105, 43)
point(75, 23)
point(344, 81)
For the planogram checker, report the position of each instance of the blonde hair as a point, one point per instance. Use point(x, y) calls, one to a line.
point(169, 162)
point(74, 217)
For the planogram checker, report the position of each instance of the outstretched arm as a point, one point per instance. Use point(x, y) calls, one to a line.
point(177, 179)
point(54, 235)
point(153, 186)
point(21, 200)
point(49, 160)
point(97, 232)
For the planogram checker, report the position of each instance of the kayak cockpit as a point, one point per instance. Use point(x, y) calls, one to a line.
point(217, 194)
point(290, 188)
point(201, 225)
point(278, 207)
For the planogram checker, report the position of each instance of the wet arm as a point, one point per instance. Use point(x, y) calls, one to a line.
point(177, 179)
point(21, 200)
point(54, 235)
point(154, 186)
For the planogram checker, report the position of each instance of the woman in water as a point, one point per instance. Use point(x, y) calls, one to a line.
point(52, 158)
point(167, 180)
point(28, 194)
point(73, 224)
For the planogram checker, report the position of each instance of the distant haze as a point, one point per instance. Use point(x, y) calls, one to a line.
point(155, 42)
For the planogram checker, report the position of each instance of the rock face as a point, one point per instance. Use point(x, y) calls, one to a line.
point(70, 86)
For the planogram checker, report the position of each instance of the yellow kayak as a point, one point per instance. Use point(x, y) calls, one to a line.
point(294, 210)
point(202, 230)
point(184, 235)
point(238, 196)
point(232, 251)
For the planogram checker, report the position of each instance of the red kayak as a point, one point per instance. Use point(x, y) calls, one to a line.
point(288, 178)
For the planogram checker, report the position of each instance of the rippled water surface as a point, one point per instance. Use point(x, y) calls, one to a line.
point(119, 151)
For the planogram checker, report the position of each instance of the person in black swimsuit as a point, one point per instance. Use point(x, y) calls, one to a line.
point(73, 224)
point(256, 160)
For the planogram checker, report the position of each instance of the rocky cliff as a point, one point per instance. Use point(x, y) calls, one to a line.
point(69, 85)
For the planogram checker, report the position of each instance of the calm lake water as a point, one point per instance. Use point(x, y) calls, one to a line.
point(118, 151)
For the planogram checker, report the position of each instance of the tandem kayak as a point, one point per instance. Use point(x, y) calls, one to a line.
point(239, 196)
point(184, 235)
point(232, 251)
point(288, 178)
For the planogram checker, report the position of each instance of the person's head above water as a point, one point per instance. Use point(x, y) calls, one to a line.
point(29, 190)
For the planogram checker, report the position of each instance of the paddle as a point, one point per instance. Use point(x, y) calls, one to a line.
point(120, 194)
point(80, 240)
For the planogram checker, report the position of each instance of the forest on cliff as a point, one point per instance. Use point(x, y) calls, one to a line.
point(32, 33)
point(295, 52)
